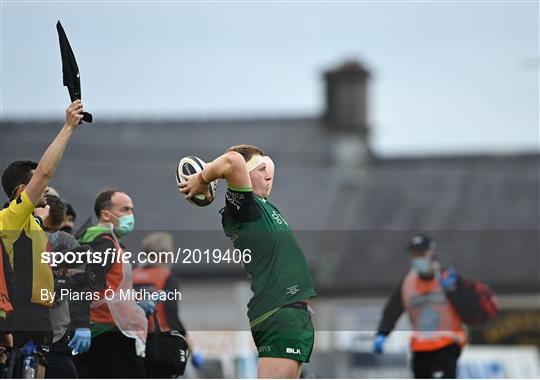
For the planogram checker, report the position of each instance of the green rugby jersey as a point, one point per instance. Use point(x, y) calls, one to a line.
point(278, 270)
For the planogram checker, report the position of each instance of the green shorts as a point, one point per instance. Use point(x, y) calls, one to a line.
point(287, 333)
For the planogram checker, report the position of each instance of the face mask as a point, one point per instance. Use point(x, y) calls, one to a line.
point(67, 229)
point(422, 265)
point(126, 224)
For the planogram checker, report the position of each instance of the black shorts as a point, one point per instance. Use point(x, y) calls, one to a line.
point(111, 355)
point(20, 338)
point(32, 322)
point(441, 363)
point(30, 317)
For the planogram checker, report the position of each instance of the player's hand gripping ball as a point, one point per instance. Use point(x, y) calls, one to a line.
point(190, 165)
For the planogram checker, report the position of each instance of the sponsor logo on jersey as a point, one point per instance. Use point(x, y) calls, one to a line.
point(295, 351)
point(292, 290)
point(429, 298)
point(278, 218)
point(235, 199)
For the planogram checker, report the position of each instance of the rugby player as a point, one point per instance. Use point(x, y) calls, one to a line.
point(279, 315)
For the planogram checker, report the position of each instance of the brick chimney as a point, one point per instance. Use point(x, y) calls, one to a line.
point(346, 114)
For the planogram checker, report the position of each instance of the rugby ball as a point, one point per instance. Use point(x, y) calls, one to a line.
point(191, 165)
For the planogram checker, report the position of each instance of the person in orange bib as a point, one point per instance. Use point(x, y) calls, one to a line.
point(117, 322)
point(160, 278)
point(437, 330)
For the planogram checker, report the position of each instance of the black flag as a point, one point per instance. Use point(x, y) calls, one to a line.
point(70, 69)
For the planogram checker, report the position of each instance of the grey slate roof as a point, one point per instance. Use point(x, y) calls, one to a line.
point(483, 210)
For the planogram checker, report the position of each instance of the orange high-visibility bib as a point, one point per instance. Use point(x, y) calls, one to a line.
point(434, 321)
point(5, 305)
point(156, 277)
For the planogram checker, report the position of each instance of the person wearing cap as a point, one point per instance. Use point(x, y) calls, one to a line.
point(69, 221)
point(437, 331)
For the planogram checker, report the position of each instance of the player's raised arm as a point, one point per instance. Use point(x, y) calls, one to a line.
point(52, 156)
point(230, 166)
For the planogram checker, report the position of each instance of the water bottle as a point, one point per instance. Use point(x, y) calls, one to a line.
point(28, 367)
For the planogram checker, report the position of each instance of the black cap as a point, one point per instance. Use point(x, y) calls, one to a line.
point(421, 243)
point(70, 210)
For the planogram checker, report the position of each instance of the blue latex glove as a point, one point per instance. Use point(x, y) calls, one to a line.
point(197, 359)
point(378, 343)
point(148, 306)
point(449, 280)
point(29, 348)
point(81, 340)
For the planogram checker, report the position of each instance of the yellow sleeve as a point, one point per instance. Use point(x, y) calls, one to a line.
point(14, 217)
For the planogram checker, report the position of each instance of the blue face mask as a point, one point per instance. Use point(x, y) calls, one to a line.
point(126, 224)
point(422, 265)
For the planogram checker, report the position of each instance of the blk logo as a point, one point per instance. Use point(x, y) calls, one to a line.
point(295, 351)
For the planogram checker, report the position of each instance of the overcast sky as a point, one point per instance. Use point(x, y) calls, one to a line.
point(447, 76)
